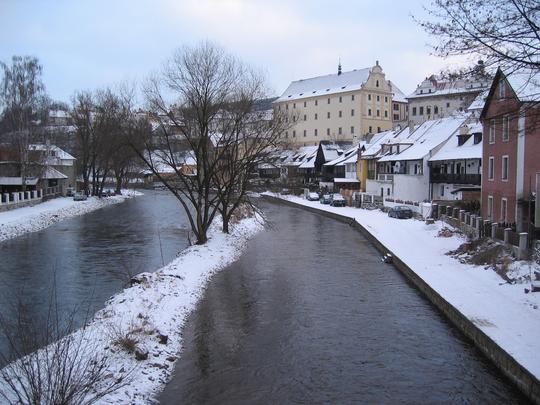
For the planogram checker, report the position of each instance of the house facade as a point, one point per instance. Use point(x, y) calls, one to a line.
point(511, 150)
point(338, 107)
point(435, 98)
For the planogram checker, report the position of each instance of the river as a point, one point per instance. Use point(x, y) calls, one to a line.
point(310, 314)
point(87, 259)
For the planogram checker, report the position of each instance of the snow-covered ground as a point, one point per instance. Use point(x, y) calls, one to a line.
point(155, 307)
point(19, 221)
point(503, 311)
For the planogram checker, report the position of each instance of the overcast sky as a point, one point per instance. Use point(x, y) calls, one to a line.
point(87, 44)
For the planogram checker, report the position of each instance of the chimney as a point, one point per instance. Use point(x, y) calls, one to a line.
point(339, 67)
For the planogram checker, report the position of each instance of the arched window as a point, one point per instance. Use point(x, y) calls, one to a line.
point(377, 83)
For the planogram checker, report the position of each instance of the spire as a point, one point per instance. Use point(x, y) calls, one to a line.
point(339, 67)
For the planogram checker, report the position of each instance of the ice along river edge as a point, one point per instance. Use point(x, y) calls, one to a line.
point(526, 381)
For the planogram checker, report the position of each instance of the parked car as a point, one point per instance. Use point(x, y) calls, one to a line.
point(80, 197)
point(107, 193)
point(325, 199)
point(338, 200)
point(285, 191)
point(401, 212)
point(70, 192)
point(313, 196)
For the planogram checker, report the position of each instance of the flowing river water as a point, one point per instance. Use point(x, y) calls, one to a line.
point(87, 259)
point(310, 314)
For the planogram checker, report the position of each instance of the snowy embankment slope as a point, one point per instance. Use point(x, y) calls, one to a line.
point(151, 313)
point(19, 221)
point(503, 311)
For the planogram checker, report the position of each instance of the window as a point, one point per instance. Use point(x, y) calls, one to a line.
point(305, 133)
point(378, 113)
point(294, 118)
point(340, 100)
point(421, 110)
point(385, 114)
point(286, 106)
point(352, 130)
point(396, 117)
point(505, 128)
point(286, 134)
point(305, 117)
point(294, 105)
point(377, 83)
point(316, 132)
point(378, 98)
point(316, 116)
point(305, 104)
point(316, 102)
point(328, 114)
point(504, 210)
point(442, 190)
point(504, 172)
point(369, 111)
point(339, 131)
point(352, 97)
point(502, 89)
point(386, 99)
point(369, 97)
point(435, 110)
point(378, 129)
point(327, 131)
point(339, 113)
point(352, 113)
point(490, 208)
point(279, 107)
point(387, 191)
point(396, 107)
point(492, 131)
point(370, 130)
point(428, 110)
point(328, 101)
point(491, 168)
point(447, 105)
point(414, 111)
point(294, 134)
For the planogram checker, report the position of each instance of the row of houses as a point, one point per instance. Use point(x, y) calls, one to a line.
point(486, 152)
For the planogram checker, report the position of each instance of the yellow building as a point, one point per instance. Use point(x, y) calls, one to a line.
point(339, 107)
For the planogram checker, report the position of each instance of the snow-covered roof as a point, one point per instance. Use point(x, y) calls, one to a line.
point(340, 161)
point(479, 101)
point(59, 153)
point(452, 151)
point(323, 85)
point(52, 173)
point(434, 87)
point(373, 148)
point(427, 137)
point(525, 85)
point(58, 114)
point(397, 94)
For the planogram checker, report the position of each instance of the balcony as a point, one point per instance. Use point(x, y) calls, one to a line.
point(385, 177)
point(455, 178)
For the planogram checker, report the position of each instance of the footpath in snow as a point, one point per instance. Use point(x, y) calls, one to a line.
point(503, 311)
point(19, 221)
point(146, 318)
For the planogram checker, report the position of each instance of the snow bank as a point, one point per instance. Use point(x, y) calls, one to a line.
point(19, 221)
point(503, 311)
point(152, 312)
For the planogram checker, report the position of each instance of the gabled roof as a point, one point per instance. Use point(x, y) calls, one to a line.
point(323, 85)
point(427, 137)
point(52, 173)
point(525, 86)
point(341, 160)
point(59, 153)
point(373, 148)
point(452, 151)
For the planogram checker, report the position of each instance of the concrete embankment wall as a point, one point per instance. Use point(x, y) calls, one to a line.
point(522, 378)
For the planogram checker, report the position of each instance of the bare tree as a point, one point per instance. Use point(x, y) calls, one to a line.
point(21, 96)
point(504, 34)
point(82, 114)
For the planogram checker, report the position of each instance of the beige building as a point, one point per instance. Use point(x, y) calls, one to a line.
point(339, 107)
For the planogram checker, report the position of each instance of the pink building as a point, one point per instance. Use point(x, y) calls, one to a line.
point(511, 150)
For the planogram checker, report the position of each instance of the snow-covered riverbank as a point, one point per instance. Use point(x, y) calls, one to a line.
point(149, 315)
point(19, 221)
point(501, 310)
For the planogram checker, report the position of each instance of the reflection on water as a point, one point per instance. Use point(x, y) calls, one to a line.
point(90, 257)
point(310, 314)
